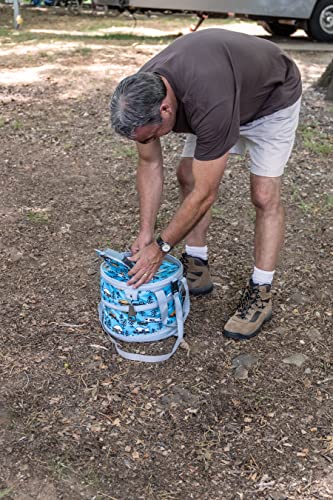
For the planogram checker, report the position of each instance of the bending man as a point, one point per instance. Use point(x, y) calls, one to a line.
point(230, 93)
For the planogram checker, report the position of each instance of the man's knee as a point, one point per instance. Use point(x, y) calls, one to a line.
point(184, 173)
point(265, 195)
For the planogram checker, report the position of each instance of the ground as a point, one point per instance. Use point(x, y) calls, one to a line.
point(79, 422)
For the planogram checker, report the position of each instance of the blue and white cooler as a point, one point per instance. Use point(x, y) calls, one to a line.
point(154, 311)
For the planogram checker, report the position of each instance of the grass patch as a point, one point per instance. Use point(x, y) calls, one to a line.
point(5, 32)
point(83, 51)
point(17, 124)
point(2, 122)
point(67, 146)
point(4, 493)
point(315, 140)
point(321, 205)
point(27, 36)
point(87, 26)
point(217, 212)
point(124, 151)
point(37, 217)
point(328, 202)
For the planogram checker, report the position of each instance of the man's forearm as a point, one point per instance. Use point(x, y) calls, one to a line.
point(207, 177)
point(149, 185)
point(187, 216)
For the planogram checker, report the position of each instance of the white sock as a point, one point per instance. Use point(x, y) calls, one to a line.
point(201, 252)
point(260, 277)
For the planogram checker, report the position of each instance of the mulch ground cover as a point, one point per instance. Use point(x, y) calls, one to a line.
point(76, 420)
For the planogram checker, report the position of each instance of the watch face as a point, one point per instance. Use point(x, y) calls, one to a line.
point(165, 247)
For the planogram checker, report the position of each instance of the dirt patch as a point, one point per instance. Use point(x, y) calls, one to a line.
point(76, 421)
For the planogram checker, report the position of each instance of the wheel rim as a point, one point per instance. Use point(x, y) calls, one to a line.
point(326, 20)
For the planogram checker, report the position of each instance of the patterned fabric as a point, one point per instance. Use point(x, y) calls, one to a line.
point(147, 313)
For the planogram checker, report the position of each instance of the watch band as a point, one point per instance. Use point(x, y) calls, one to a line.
point(164, 246)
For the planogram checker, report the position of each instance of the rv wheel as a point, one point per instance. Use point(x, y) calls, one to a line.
point(320, 26)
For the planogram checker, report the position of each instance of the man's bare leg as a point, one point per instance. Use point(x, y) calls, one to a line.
point(195, 262)
point(198, 236)
point(255, 306)
point(269, 226)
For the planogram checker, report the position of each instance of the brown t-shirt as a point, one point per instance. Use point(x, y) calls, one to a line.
point(222, 80)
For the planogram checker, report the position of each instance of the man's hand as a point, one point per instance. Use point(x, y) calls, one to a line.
point(144, 238)
point(148, 260)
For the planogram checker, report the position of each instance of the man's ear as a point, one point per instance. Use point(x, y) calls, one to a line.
point(165, 109)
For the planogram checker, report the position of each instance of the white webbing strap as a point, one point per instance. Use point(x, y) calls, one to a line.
point(178, 331)
point(163, 306)
point(186, 305)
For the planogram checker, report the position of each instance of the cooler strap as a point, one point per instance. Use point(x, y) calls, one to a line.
point(186, 304)
point(163, 306)
point(145, 357)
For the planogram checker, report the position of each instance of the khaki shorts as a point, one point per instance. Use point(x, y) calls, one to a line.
point(269, 141)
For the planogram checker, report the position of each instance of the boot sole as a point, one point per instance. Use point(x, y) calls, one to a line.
point(241, 336)
point(201, 291)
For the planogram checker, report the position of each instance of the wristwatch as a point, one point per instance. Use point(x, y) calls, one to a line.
point(164, 246)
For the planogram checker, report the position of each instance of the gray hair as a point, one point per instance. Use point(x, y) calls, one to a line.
point(136, 103)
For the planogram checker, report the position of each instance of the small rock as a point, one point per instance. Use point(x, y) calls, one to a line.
point(5, 415)
point(307, 371)
point(15, 255)
point(245, 360)
point(299, 299)
point(182, 395)
point(295, 359)
point(184, 345)
point(91, 271)
point(277, 495)
point(314, 334)
point(241, 373)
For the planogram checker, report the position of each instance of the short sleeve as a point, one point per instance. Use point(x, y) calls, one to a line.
point(217, 131)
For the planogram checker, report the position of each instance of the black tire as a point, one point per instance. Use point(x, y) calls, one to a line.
point(320, 25)
point(276, 28)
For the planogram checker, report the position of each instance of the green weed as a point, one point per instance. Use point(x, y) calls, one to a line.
point(2, 122)
point(306, 207)
point(4, 493)
point(17, 124)
point(127, 39)
point(4, 32)
point(125, 151)
point(37, 217)
point(252, 214)
point(315, 141)
point(67, 146)
point(217, 212)
point(322, 204)
point(83, 51)
point(328, 202)
point(61, 470)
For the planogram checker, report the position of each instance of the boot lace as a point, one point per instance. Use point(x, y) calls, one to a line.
point(184, 261)
point(250, 297)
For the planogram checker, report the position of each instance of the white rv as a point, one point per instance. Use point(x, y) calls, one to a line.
point(280, 17)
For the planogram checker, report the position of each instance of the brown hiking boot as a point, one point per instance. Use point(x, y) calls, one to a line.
point(253, 310)
point(197, 275)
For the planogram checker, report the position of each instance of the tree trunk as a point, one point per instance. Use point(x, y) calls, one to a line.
point(329, 94)
point(326, 81)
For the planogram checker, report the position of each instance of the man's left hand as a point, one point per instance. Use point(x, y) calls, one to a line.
point(147, 260)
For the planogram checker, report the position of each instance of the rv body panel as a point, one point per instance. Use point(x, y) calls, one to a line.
point(295, 9)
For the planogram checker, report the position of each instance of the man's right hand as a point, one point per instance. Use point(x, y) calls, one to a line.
point(144, 238)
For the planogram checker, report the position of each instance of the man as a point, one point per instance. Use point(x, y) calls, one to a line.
point(230, 92)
